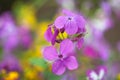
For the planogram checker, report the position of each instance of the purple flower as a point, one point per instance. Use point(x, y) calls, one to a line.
point(8, 32)
point(50, 36)
point(97, 74)
point(91, 52)
point(62, 59)
point(9, 63)
point(70, 21)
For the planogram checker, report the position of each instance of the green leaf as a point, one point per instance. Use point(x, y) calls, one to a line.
point(40, 62)
point(51, 76)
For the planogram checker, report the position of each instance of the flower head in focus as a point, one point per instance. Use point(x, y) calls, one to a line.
point(71, 22)
point(62, 59)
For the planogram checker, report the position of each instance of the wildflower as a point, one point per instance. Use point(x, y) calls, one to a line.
point(70, 21)
point(51, 37)
point(8, 32)
point(91, 52)
point(96, 75)
point(48, 34)
point(9, 63)
point(62, 59)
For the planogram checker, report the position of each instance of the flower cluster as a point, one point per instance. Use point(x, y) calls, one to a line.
point(73, 25)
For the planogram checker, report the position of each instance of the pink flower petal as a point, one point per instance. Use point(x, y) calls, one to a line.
point(71, 27)
point(58, 67)
point(71, 63)
point(54, 37)
point(60, 22)
point(48, 34)
point(66, 46)
point(80, 22)
point(50, 53)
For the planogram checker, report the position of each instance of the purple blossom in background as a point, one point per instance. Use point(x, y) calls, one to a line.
point(98, 50)
point(8, 32)
point(97, 74)
point(70, 21)
point(9, 63)
point(24, 37)
point(91, 52)
point(62, 59)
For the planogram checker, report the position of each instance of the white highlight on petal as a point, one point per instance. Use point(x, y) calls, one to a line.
point(101, 74)
point(93, 75)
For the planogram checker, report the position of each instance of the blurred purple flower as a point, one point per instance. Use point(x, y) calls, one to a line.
point(25, 38)
point(97, 74)
point(98, 50)
point(63, 58)
point(9, 63)
point(91, 52)
point(70, 21)
point(8, 31)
